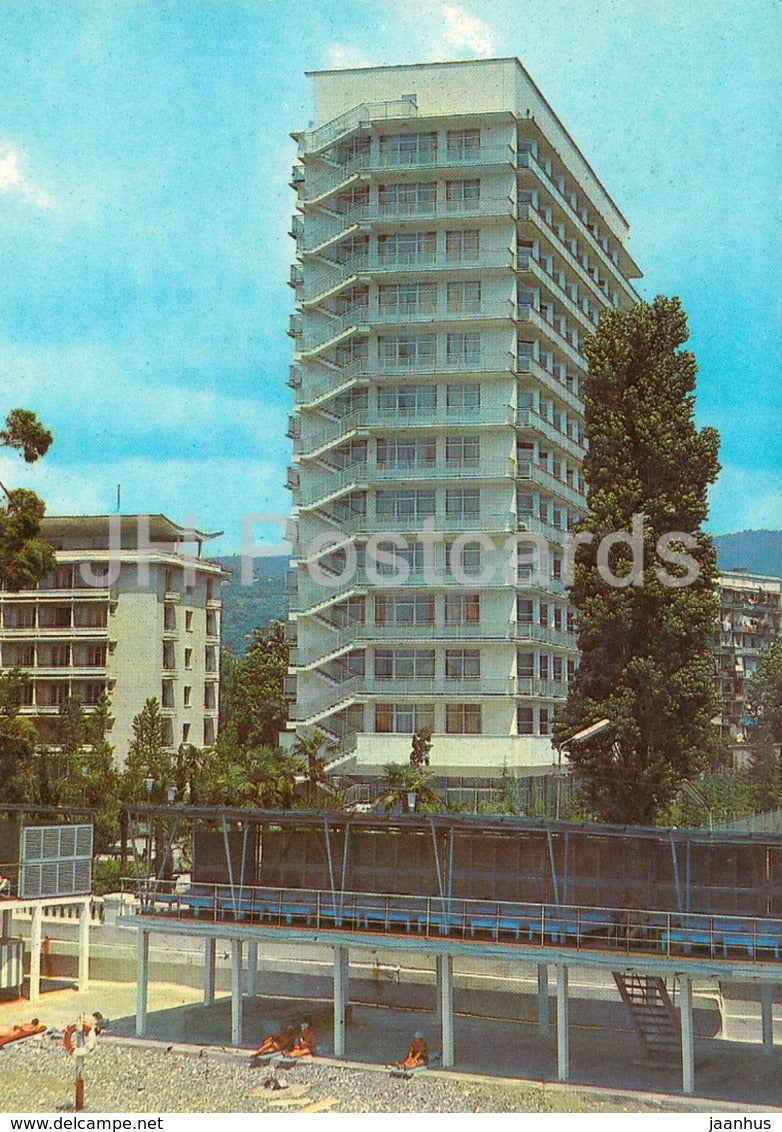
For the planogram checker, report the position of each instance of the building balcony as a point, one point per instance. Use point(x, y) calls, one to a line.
point(495, 522)
point(319, 232)
point(534, 688)
point(552, 484)
point(544, 635)
point(528, 421)
point(359, 117)
point(334, 697)
point(360, 634)
point(316, 491)
point(314, 443)
point(534, 223)
point(315, 392)
point(556, 285)
point(546, 377)
point(324, 284)
point(545, 324)
point(319, 186)
point(527, 161)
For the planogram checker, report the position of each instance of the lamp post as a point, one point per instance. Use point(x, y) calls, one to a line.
point(412, 801)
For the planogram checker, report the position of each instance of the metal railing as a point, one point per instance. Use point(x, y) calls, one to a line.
point(626, 930)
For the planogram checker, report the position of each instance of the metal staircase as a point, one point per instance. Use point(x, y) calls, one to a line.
point(652, 1012)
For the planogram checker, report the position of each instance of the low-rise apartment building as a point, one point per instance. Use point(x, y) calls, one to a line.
point(749, 619)
point(131, 609)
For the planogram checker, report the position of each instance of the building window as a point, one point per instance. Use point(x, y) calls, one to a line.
point(462, 609)
point(210, 660)
point(524, 611)
point(187, 695)
point(404, 609)
point(407, 247)
point(462, 664)
point(169, 656)
point(211, 623)
point(463, 719)
point(404, 719)
point(546, 719)
point(406, 453)
point(169, 618)
point(463, 145)
point(400, 399)
point(408, 199)
point(469, 561)
point(462, 502)
point(406, 503)
point(411, 556)
point(463, 347)
point(463, 246)
point(408, 149)
point(168, 733)
point(209, 732)
point(525, 723)
point(407, 351)
point(209, 696)
point(465, 398)
point(188, 620)
point(463, 196)
point(188, 658)
point(463, 451)
point(167, 694)
point(185, 732)
point(464, 298)
point(410, 664)
point(407, 298)
point(525, 665)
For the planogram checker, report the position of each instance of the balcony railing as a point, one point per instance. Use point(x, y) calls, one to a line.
point(420, 417)
point(312, 141)
point(315, 490)
point(529, 419)
point(319, 285)
point(557, 487)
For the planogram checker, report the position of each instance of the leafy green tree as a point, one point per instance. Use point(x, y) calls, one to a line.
point(233, 775)
point(421, 748)
point(408, 778)
point(308, 749)
point(25, 557)
point(148, 757)
point(646, 662)
point(18, 738)
point(764, 707)
point(253, 701)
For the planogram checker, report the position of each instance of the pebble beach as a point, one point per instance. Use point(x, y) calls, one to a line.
point(37, 1076)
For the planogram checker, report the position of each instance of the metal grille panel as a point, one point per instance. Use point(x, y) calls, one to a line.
point(55, 860)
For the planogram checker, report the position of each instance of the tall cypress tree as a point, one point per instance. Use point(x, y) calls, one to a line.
point(647, 664)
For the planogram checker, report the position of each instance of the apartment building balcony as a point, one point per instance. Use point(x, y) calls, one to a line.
point(361, 117)
point(326, 284)
point(57, 632)
point(528, 421)
point(332, 698)
point(552, 484)
point(533, 223)
point(527, 161)
point(529, 316)
point(544, 635)
point(552, 534)
point(490, 522)
point(361, 476)
point(314, 392)
point(555, 283)
point(355, 320)
point(69, 672)
point(317, 234)
point(546, 377)
point(363, 421)
point(318, 187)
point(532, 687)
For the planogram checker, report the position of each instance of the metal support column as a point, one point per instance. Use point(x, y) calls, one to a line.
point(767, 1017)
point(36, 933)
point(236, 992)
point(5, 925)
point(84, 947)
point(142, 979)
point(341, 958)
point(209, 970)
point(252, 966)
point(446, 1009)
point(688, 1045)
point(438, 994)
point(563, 1025)
point(544, 1024)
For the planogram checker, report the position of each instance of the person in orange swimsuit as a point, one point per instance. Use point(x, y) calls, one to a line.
point(417, 1054)
point(276, 1043)
point(23, 1030)
point(305, 1043)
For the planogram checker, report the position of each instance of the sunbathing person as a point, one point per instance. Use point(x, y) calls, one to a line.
point(276, 1043)
point(417, 1054)
point(23, 1030)
point(305, 1043)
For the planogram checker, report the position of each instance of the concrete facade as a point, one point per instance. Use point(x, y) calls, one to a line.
point(120, 617)
point(454, 249)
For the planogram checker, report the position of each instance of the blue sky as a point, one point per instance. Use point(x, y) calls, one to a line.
point(144, 205)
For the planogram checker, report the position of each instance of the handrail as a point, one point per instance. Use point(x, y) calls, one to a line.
point(585, 927)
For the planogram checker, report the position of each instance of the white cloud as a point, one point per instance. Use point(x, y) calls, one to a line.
point(463, 30)
point(14, 181)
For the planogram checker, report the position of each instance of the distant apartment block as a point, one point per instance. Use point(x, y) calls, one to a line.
point(750, 609)
point(454, 249)
point(117, 617)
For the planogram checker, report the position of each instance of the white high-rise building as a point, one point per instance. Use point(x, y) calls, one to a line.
point(454, 249)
